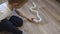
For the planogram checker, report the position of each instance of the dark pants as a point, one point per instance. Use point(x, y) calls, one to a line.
point(11, 25)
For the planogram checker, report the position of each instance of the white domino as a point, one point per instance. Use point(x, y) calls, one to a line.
point(38, 18)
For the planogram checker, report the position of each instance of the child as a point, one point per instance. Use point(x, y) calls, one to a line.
point(11, 24)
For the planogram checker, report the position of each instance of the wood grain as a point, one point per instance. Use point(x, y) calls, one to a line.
point(49, 10)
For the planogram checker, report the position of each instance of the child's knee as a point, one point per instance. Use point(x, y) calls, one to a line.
point(21, 23)
point(17, 20)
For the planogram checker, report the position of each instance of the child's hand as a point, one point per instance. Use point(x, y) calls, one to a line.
point(30, 19)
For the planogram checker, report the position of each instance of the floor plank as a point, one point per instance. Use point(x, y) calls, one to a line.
point(50, 13)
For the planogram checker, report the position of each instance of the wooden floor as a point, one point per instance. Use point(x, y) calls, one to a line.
point(49, 10)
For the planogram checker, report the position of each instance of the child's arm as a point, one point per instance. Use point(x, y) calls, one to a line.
point(22, 15)
point(3, 14)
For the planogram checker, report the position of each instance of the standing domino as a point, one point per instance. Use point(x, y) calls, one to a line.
point(33, 9)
